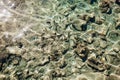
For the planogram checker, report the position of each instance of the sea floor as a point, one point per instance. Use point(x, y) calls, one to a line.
point(59, 39)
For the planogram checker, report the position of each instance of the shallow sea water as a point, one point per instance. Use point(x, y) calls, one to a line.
point(59, 39)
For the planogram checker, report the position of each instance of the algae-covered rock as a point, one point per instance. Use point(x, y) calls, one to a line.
point(114, 36)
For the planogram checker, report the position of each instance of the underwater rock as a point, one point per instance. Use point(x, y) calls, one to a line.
point(81, 78)
point(58, 73)
point(112, 77)
point(98, 20)
point(117, 27)
point(105, 7)
point(44, 61)
point(82, 52)
point(117, 70)
point(87, 17)
point(117, 9)
point(103, 44)
point(79, 25)
point(113, 36)
point(2, 77)
point(96, 64)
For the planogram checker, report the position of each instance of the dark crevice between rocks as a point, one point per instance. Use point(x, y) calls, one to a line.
point(46, 62)
point(84, 27)
point(3, 59)
point(13, 57)
point(110, 11)
point(20, 45)
point(73, 7)
point(63, 65)
point(65, 51)
point(95, 34)
point(8, 59)
point(82, 52)
point(117, 27)
point(117, 2)
point(55, 56)
point(92, 19)
point(85, 57)
point(92, 1)
point(96, 69)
